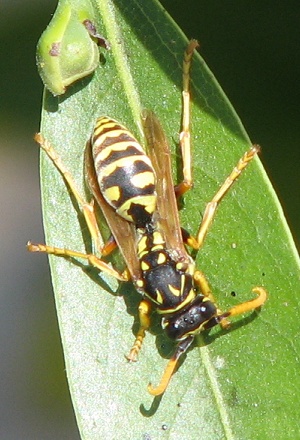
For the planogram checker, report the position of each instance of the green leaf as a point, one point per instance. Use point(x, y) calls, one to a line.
point(239, 384)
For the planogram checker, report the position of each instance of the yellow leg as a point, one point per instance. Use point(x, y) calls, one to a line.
point(91, 258)
point(185, 145)
point(89, 215)
point(184, 139)
point(201, 281)
point(144, 318)
point(211, 207)
point(86, 208)
point(109, 246)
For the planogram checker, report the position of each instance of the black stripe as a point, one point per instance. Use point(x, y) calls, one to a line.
point(116, 155)
point(121, 177)
point(139, 215)
point(111, 140)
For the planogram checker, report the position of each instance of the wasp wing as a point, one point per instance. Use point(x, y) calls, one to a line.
point(167, 209)
point(122, 231)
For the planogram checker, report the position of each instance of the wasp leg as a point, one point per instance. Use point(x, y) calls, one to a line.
point(86, 208)
point(168, 373)
point(144, 318)
point(91, 258)
point(211, 207)
point(109, 246)
point(201, 281)
point(89, 215)
point(185, 145)
point(184, 139)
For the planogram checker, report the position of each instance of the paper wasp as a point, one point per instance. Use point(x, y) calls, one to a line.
point(136, 193)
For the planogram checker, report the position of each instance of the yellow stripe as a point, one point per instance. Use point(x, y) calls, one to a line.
point(175, 292)
point(148, 201)
point(112, 193)
point(159, 297)
point(143, 179)
point(187, 300)
point(161, 258)
point(158, 238)
point(142, 245)
point(140, 283)
point(104, 153)
point(145, 266)
point(157, 247)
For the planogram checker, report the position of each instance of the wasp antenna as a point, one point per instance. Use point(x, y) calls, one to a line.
point(252, 304)
point(168, 373)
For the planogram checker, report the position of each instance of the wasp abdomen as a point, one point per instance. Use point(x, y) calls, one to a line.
point(125, 174)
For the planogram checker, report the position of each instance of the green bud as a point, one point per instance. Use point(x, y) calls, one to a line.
point(68, 48)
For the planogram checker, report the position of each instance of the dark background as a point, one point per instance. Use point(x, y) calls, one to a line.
point(253, 49)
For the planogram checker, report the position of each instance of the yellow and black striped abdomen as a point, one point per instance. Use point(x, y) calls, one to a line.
point(125, 174)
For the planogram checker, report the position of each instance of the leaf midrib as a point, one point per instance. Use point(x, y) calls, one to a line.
point(114, 35)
